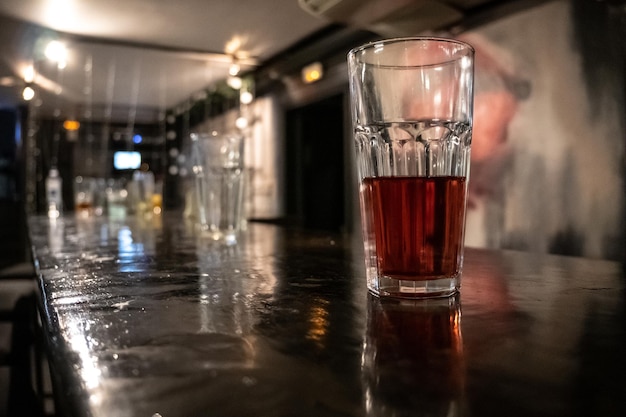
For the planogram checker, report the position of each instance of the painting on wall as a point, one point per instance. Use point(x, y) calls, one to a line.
point(548, 144)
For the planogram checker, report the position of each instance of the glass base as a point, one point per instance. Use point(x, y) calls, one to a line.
point(431, 288)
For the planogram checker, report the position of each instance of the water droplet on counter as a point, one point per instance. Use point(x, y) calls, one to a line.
point(121, 305)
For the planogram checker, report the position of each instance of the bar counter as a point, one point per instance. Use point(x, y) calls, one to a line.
point(145, 317)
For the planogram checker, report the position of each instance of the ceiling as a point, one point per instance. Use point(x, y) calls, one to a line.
point(129, 60)
point(133, 58)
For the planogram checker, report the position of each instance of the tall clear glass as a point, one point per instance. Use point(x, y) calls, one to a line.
point(218, 166)
point(412, 102)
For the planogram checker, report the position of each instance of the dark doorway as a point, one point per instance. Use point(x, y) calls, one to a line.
point(13, 242)
point(315, 164)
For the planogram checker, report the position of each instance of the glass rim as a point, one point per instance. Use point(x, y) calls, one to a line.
point(354, 52)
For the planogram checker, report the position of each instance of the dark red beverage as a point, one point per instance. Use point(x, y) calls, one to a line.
point(417, 224)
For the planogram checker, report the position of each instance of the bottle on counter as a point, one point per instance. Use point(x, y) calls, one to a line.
point(54, 193)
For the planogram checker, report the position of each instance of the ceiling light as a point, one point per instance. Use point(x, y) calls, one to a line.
point(71, 125)
point(29, 74)
point(234, 69)
point(246, 97)
point(56, 52)
point(312, 73)
point(28, 93)
point(233, 45)
point(241, 122)
point(234, 82)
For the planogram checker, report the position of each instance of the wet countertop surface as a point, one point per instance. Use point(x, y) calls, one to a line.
point(146, 318)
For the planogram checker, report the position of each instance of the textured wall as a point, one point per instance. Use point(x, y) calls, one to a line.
point(548, 146)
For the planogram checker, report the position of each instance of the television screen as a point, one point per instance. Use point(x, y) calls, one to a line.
point(126, 160)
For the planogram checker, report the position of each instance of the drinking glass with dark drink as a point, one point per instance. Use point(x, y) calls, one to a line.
point(412, 116)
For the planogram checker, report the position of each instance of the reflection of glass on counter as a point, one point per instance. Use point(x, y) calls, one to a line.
point(421, 341)
point(55, 235)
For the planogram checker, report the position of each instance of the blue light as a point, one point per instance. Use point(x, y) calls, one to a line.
point(137, 139)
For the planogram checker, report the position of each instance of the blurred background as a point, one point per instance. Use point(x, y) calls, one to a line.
point(106, 89)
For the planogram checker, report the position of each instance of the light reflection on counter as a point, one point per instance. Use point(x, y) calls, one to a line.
point(76, 328)
point(154, 304)
point(55, 235)
point(129, 250)
point(282, 325)
point(318, 323)
point(431, 350)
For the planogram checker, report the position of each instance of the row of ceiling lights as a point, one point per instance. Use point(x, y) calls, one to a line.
point(56, 52)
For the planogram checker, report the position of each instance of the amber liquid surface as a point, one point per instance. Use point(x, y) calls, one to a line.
point(417, 224)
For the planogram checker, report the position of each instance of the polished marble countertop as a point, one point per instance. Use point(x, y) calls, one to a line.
point(145, 317)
